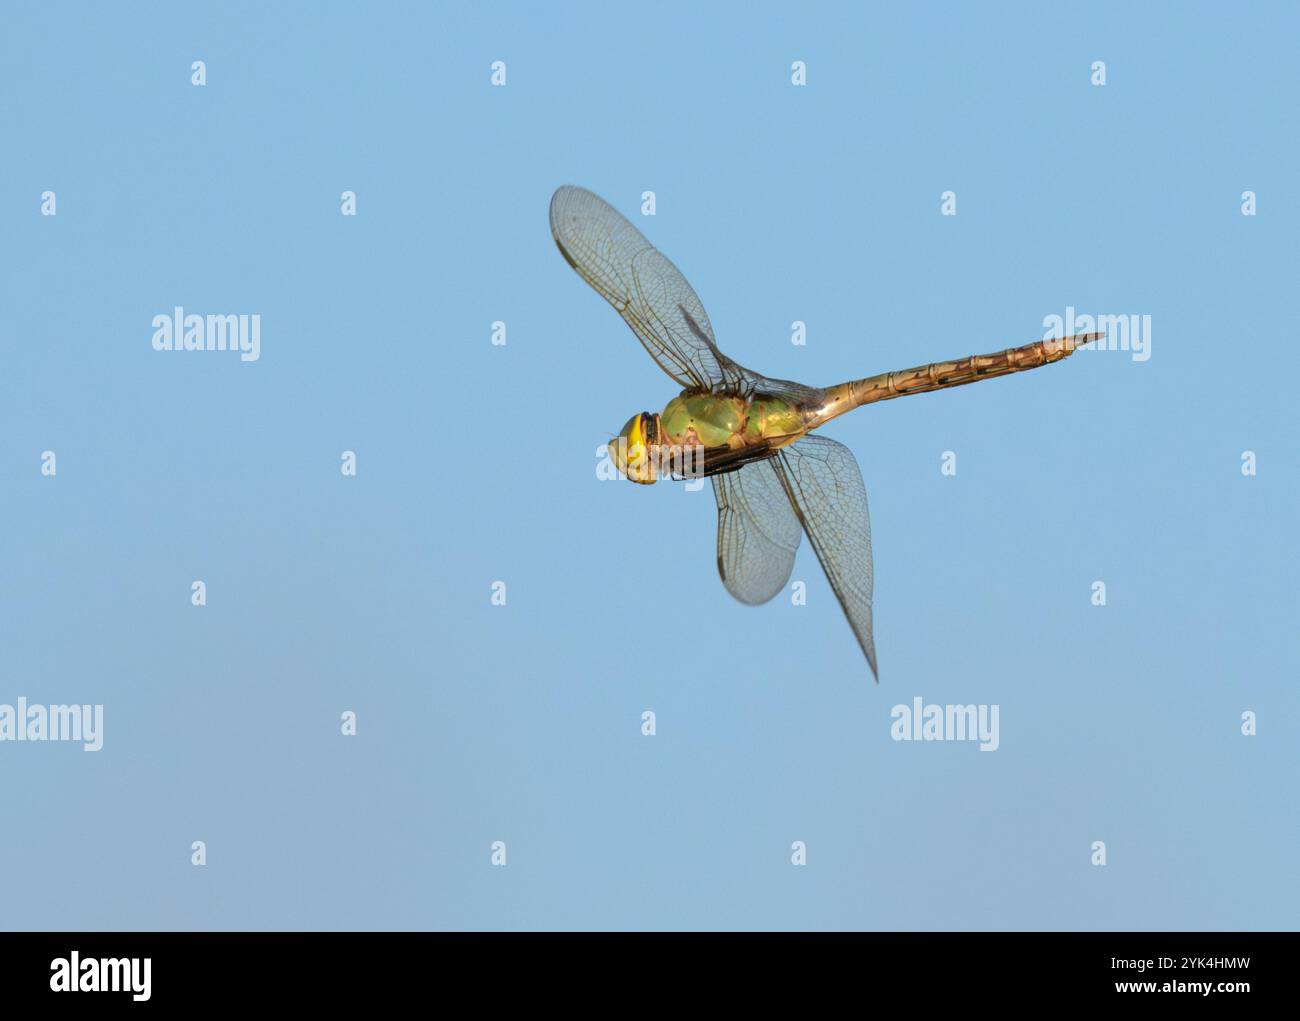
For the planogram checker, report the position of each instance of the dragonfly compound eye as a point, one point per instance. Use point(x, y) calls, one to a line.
point(635, 448)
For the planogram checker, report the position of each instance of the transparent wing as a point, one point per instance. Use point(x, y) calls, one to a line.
point(825, 487)
point(652, 296)
point(758, 532)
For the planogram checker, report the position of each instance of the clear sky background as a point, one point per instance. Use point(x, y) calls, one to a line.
point(477, 464)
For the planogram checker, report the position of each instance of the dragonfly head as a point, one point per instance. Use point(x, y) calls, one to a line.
point(634, 448)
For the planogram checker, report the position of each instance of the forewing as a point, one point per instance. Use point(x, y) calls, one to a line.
point(825, 487)
point(645, 288)
point(653, 297)
point(758, 532)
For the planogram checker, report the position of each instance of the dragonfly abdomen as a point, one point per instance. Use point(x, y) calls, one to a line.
point(942, 375)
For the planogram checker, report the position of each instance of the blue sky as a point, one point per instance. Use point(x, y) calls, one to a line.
point(476, 464)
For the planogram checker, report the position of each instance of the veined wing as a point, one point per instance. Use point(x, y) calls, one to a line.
point(758, 532)
point(824, 485)
point(652, 296)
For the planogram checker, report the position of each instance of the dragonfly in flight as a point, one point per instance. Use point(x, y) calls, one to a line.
point(773, 479)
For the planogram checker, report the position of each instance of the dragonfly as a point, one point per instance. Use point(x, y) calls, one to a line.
point(752, 436)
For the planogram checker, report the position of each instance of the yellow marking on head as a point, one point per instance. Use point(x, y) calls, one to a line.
point(635, 449)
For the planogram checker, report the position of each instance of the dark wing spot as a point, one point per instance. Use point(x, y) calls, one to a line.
point(695, 327)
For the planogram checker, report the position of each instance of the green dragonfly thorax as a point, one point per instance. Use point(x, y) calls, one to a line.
point(722, 421)
point(712, 421)
point(708, 421)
